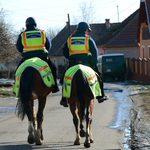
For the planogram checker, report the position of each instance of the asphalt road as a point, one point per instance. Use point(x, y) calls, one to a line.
point(58, 128)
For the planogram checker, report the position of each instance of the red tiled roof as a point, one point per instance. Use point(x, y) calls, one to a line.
point(124, 35)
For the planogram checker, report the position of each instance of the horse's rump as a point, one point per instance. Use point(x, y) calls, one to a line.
point(86, 76)
point(82, 84)
point(31, 87)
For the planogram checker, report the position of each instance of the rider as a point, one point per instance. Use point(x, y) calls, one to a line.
point(80, 48)
point(34, 42)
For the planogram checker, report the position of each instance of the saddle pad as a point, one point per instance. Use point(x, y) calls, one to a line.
point(90, 75)
point(41, 66)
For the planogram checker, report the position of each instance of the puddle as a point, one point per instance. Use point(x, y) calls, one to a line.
point(121, 120)
point(114, 90)
point(9, 108)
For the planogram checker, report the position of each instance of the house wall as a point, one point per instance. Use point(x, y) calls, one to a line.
point(129, 52)
point(60, 63)
point(144, 44)
point(101, 51)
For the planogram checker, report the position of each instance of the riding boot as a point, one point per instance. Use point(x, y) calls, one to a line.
point(55, 88)
point(64, 102)
point(53, 68)
point(102, 97)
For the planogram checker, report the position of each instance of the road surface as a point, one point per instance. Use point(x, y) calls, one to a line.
point(59, 132)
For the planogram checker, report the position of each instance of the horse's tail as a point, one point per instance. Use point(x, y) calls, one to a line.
point(25, 92)
point(82, 89)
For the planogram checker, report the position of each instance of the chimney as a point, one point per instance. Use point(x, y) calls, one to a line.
point(107, 22)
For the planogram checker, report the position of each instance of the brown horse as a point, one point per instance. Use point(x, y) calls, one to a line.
point(32, 87)
point(81, 105)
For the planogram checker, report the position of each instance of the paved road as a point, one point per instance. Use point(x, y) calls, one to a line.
point(59, 132)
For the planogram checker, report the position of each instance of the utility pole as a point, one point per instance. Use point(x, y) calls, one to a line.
point(69, 23)
point(118, 12)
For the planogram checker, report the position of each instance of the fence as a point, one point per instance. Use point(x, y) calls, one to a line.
point(138, 69)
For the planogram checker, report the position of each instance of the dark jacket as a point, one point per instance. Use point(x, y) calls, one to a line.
point(35, 53)
point(83, 57)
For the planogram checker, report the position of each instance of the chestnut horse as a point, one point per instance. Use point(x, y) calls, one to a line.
point(32, 87)
point(81, 105)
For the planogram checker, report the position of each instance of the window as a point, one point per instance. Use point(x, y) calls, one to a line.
point(118, 59)
point(109, 60)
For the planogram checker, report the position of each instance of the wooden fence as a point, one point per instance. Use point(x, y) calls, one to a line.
point(138, 69)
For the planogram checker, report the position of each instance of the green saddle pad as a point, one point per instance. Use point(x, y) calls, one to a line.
point(41, 66)
point(90, 75)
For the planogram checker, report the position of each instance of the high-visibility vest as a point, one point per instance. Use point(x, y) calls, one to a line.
point(33, 40)
point(78, 45)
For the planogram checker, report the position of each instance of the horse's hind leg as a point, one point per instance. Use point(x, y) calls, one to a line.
point(40, 117)
point(82, 131)
point(76, 123)
point(32, 125)
point(89, 111)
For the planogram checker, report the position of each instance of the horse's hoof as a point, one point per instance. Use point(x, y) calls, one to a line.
point(31, 139)
point(77, 142)
point(42, 138)
point(82, 133)
point(87, 145)
point(38, 142)
point(91, 140)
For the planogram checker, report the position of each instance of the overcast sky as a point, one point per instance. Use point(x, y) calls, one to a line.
point(53, 13)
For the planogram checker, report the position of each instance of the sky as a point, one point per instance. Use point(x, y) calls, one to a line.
point(53, 14)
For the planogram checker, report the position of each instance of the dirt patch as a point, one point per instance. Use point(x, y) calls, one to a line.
point(139, 118)
point(6, 89)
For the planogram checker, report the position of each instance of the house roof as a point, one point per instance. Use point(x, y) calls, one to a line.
point(125, 34)
point(144, 16)
point(98, 30)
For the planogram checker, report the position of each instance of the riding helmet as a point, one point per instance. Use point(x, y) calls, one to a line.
point(30, 21)
point(83, 26)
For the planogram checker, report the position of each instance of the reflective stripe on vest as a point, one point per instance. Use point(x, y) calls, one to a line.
point(35, 40)
point(78, 45)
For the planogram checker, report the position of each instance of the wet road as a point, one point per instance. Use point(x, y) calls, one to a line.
point(110, 120)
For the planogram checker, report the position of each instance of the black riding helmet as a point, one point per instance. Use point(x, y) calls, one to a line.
point(83, 26)
point(30, 21)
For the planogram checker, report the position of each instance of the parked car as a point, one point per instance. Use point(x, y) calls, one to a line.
point(112, 66)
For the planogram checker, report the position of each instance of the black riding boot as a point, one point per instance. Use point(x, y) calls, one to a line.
point(102, 97)
point(64, 102)
point(55, 88)
point(53, 68)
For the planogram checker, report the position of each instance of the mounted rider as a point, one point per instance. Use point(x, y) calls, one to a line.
point(34, 42)
point(80, 48)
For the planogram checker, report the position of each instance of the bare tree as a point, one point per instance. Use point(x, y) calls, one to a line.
point(8, 51)
point(52, 32)
point(87, 13)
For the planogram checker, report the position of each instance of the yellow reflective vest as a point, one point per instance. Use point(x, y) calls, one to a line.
point(33, 40)
point(78, 45)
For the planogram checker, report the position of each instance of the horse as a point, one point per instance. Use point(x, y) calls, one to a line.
point(81, 103)
point(32, 87)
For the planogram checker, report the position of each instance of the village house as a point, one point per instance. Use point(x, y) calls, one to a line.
point(123, 38)
point(144, 29)
point(109, 38)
